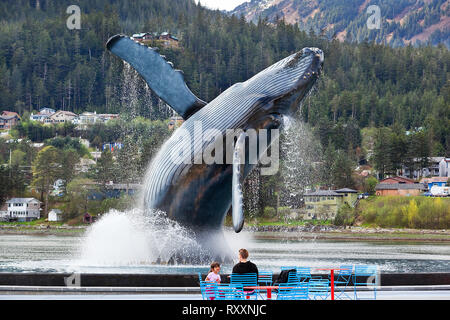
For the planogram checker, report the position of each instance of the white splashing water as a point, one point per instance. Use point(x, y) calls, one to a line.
point(134, 237)
point(301, 152)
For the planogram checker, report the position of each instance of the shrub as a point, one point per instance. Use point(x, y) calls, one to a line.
point(407, 212)
point(345, 216)
point(269, 212)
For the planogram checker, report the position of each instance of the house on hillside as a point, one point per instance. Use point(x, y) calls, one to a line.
point(84, 165)
point(324, 204)
point(435, 181)
point(444, 167)
point(105, 117)
point(10, 113)
point(143, 36)
point(400, 189)
point(55, 215)
point(8, 119)
point(48, 111)
point(43, 115)
point(168, 40)
point(397, 179)
point(44, 118)
point(89, 118)
point(350, 196)
point(23, 209)
point(432, 170)
point(62, 116)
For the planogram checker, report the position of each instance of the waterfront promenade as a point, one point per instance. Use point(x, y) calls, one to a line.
point(381, 295)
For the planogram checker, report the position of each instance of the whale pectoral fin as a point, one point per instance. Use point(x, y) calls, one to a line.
point(166, 82)
point(238, 178)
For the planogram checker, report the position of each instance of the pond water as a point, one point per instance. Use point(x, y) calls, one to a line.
point(37, 253)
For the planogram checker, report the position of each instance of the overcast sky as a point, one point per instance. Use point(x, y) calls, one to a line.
point(222, 4)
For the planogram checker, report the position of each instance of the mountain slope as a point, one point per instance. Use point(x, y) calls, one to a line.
point(402, 21)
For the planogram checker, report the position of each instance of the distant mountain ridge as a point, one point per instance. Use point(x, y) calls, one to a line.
point(402, 21)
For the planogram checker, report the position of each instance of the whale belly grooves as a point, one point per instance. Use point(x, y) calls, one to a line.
point(231, 110)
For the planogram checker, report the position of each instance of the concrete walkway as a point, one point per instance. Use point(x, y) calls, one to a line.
point(192, 293)
point(393, 295)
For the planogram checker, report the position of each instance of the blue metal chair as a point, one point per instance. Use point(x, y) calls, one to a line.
point(342, 280)
point(288, 268)
point(366, 275)
point(208, 290)
point(298, 291)
point(304, 274)
point(230, 292)
point(319, 288)
point(247, 280)
point(293, 278)
point(265, 277)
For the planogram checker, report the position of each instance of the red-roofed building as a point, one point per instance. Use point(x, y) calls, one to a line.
point(8, 119)
point(393, 180)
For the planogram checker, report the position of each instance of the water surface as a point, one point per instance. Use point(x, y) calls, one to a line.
point(46, 253)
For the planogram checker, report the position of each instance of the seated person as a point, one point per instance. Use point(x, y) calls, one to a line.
point(213, 274)
point(245, 266)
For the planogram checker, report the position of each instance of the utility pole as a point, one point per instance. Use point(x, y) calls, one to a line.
point(10, 164)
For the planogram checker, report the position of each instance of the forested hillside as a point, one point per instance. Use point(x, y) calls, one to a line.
point(402, 21)
point(42, 63)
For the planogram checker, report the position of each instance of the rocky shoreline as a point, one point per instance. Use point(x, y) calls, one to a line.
point(42, 229)
point(314, 232)
point(330, 232)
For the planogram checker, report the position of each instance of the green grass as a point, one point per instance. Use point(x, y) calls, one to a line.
point(28, 223)
point(295, 223)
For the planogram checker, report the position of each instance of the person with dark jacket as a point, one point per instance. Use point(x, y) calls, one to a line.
point(245, 266)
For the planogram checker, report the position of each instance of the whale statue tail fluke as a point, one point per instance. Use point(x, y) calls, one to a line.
point(166, 82)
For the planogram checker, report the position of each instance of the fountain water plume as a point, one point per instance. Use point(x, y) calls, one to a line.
point(136, 237)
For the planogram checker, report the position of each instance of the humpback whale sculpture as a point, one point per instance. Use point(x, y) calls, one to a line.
point(198, 195)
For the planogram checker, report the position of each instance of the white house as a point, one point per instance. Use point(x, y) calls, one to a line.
point(48, 111)
point(62, 116)
point(55, 215)
point(84, 165)
point(89, 118)
point(58, 188)
point(39, 117)
point(435, 169)
point(444, 167)
point(23, 209)
point(43, 115)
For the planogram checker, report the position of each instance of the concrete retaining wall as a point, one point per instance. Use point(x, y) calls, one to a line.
point(190, 280)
